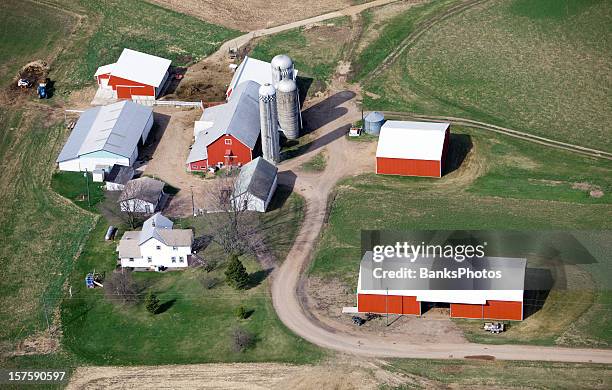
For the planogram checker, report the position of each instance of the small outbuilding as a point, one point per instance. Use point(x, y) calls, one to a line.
point(136, 76)
point(118, 177)
point(105, 136)
point(412, 148)
point(373, 122)
point(256, 185)
point(142, 195)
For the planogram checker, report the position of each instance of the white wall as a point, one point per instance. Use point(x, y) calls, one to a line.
point(83, 164)
point(147, 129)
point(114, 186)
point(137, 206)
point(159, 257)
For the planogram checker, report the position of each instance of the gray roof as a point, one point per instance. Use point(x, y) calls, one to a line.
point(115, 128)
point(143, 188)
point(256, 178)
point(513, 273)
point(128, 245)
point(238, 118)
point(120, 174)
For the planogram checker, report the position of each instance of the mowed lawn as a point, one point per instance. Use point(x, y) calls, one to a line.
point(536, 66)
point(503, 184)
point(196, 321)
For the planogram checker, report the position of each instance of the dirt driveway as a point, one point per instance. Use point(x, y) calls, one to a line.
point(168, 153)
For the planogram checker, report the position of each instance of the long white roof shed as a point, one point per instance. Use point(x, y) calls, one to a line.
point(140, 67)
point(412, 140)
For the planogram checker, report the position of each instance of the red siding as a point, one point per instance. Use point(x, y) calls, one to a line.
point(201, 165)
point(407, 167)
point(240, 153)
point(103, 76)
point(126, 88)
point(393, 304)
point(493, 310)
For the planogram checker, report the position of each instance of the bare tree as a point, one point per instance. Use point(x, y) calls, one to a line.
point(131, 208)
point(121, 287)
point(234, 228)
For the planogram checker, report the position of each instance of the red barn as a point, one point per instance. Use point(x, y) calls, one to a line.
point(231, 135)
point(135, 75)
point(486, 298)
point(412, 148)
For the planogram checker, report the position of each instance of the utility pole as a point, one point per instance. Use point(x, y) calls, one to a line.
point(192, 202)
point(87, 185)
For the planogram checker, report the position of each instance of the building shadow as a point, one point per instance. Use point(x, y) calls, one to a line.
point(160, 125)
point(202, 242)
point(538, 283)
point(286, 182)
point(175, 77)
point(318, 143)
point(325, 111)
point(303, 84)
point(459, 147)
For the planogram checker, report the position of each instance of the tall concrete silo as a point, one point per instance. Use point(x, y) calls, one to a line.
point(268, 117)
point(282, 68)
point(288, 108)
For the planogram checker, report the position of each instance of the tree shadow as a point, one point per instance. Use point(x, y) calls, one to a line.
point(325, 111)
point(460, 146)
point(257, 277)
point(164, 307)
point(202, 242)
point(538, 283)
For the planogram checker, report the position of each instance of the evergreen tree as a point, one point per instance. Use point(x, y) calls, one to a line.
point(235, 274)
point(152, 303)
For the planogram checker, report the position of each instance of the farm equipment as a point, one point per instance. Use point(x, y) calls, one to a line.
point(494, 327)
point(42, 90)
point(23, 83)
point(358, 320)
point(232, 53)
point(93, 279)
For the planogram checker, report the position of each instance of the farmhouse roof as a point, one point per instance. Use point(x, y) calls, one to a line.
point(141, 67)
point(411, 140)
point(465, 290)
point(158, 227)
point(114, 128)
point(128, 245)
point(257, 178)
point(238, 118)
point(120, 174)
point(143, 188)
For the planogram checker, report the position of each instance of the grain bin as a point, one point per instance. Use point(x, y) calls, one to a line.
point(373, 122)
point(282, 68)
point(268, 117)
point(288, 108)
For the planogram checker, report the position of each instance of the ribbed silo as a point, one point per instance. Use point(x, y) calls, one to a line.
point(288, 108)
point(268, 117)
point(282, 68)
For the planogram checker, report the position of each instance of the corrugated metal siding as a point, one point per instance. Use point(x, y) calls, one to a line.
point(492, 310)
point(393, 304)
point(126, 88)
point(406, 167)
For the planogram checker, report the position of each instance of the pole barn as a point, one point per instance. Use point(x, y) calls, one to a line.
point(412, 148)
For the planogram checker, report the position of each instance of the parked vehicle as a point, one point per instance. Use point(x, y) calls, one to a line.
point(494, 327)
point(358, 320)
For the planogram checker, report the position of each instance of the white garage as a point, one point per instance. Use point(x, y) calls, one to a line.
point(105, 136)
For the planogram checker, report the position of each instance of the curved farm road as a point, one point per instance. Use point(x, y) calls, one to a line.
point(345, 158)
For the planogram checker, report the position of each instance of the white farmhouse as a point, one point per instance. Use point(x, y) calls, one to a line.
point(105, 136)
point(156, 247)
point(256, 185)
point(142, 195)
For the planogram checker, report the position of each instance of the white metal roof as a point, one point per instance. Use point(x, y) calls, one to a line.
point(411, 140)
point(105, 69)
point(251, 69)
point(141, 67)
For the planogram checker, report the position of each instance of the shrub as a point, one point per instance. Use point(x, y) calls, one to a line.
point(242, 312)
point(242, 339)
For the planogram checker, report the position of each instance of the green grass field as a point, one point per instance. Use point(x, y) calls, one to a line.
point(504, 374)
point(74, 186)
point(315, 164)
point(315, 51)
point(196, 323)
point(498, 186)
point(536, 66)
point(16, 23)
